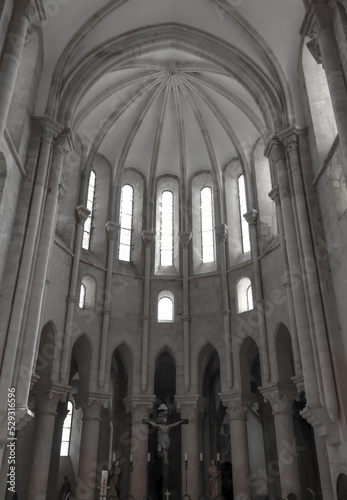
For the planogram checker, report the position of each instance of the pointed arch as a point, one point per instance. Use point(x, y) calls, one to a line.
point(284, 354)
point(250, 366)
point(47, 352)
point(81, 360)
point(205, 355)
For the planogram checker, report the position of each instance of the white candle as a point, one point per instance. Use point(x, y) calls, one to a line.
point(131, 457)
point(113, 457)
point(104, 476)
point(148, 457)
point(186, 457)
point(218, 457)
point(201, 457)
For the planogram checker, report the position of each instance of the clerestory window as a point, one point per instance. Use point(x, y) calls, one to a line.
point(206, 219)
point(87, 230)
point(165, 306)
point(82, 299)
point(126, 223)
point(166, 228)
point(246, 246)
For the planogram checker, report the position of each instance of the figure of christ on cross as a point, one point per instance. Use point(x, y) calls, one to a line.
point(163, 434)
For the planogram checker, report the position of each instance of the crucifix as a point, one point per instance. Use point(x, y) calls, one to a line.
point(163, 440)
point(163, 434)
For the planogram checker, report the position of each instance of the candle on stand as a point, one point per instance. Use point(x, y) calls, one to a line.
point(186, 457)
point(201, 457)
point(131, 457)
point(113, 457)
point(148, 457)
point(103, 489)
point(218, 457)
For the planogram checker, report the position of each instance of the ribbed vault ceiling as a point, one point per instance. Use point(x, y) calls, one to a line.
point(171, 88)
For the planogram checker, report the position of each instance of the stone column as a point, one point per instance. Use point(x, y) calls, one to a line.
point(275, 152)
point(222, 235)
point(56, 446)
point(252, 218)
point(25, 345)
point(24, 12)
point(148, 238)
point(112, 230)
point(281, 399)
point(323, 466)
point(140, 407)
point(192, 408)
point(185, 240)
point(47, 403)
point(38, 287)
point(318, 25)
point(275, 196)
point(92, 404)
point(237, 407)
point(81, 216)
point(291, 143)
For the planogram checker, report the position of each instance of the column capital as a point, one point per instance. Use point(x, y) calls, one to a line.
point(323, 422)
point(275, 150)
point(237, 404)
point(82, 214)
point(139, 406)
point(49, 127)
point(185, 239)
point(64, 142)
point(191, 407)
point(222, 233)
point(251, 217)
point(274, 194)
point(280, 397)
point(289, 138)
point(186, 317)
point(317, 19)
point(48, 396)
point(148, 237)
point(61, 192)
point(92, 403)
point(112, 230)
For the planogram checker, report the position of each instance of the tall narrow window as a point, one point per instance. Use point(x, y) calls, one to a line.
point(244, 295)
point(126, 223)
point(249, 298)
point(246, 246)
point(82, 300)
point(207, 241)
point(90, 206)
point(165, 306)
point(65, 440)
point(166, 228)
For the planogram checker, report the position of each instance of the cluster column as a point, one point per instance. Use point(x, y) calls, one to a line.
point(24, 12)
point(276, 153)
point(140, 407)
point(192, 408)
point(318, 25)
point(309, 263)
point(281, 399)
point(237, 407)
point(112, 230)
point(252, 218)
point(275, 196)
point(81, 216)
point(185, 240)
point(92, 404)
point(47, 400)
point(222, 235)
point(38, 286)
point(148, 238)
